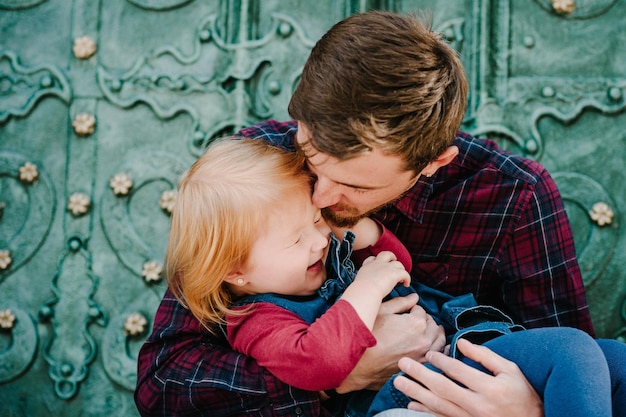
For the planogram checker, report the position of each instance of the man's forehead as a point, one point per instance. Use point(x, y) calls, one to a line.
point(303, 144)
point(303, 136)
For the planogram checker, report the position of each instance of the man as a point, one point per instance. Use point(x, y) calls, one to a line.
point(377, 108)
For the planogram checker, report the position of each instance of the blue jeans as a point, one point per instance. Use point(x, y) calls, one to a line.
point(573, 373)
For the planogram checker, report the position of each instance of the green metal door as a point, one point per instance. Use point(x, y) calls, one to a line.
point(103, 104)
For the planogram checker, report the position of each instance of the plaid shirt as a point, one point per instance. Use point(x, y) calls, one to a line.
point(489, 223)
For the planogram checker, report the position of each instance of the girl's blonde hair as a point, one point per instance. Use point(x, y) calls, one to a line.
point(221, 208)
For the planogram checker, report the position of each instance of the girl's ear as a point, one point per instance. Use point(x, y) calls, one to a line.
point(235, 278)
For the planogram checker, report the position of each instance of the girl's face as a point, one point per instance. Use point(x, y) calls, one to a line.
point(289, 257)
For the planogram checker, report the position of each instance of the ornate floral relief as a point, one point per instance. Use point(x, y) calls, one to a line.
point(564, 6)
point(577, 9)
point(78, 204)
point(215, 71)
point(167, 201)
point(28, 172)
point(28, 85)
point(84, 124)
point(7, 319)
point(601, 213)
point(26, 221)
point(153, 174)
point(123, 337)
point(5, 259)
point(121, 184)
point(84, 47)
point(135, 324)
point(151, 271)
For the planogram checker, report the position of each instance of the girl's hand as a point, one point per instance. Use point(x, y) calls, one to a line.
point(382, 273)
point(376, 278)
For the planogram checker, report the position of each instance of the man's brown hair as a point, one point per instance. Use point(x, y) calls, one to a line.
point(381, 80)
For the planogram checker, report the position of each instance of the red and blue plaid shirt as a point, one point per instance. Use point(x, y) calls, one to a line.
point(490, 223)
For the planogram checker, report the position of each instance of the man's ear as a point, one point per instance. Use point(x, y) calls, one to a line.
point(442, 160)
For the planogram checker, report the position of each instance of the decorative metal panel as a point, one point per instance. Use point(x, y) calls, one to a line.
point(103, 104)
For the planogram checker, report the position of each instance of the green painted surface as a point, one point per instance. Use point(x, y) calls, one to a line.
point(167, 77)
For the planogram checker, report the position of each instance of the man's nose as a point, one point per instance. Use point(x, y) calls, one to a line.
point(325, 193)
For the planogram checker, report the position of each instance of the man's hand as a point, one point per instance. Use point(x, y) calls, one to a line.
point(397, 335)
point(506, 393)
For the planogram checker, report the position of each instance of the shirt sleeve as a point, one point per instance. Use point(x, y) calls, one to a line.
point(281, 134)
point(544, 283)
point(311, 357)
point(387, 242)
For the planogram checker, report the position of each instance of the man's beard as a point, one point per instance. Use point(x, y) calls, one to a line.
point(351, 218)
point(341, 221)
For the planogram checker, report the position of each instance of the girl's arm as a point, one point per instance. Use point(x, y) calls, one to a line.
point(313, 357)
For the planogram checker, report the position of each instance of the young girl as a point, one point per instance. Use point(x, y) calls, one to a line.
point(248, 249)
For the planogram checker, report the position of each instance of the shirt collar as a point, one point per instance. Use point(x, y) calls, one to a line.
point(413, 203)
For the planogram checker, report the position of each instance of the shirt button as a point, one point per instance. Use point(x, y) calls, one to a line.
point(298, 410)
